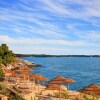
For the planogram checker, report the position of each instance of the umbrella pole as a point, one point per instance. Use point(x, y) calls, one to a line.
point(24, 77)
point(59, 93)
point(28, 78)
point(38, 86)
point(53, 92)
point(68, 86)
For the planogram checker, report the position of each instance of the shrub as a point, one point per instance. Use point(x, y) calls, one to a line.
point(15, 97)
point(35, 98)
point(86, 97)
point(4, 91)
point(49, 94)
point(65, 95)
point(57, 95)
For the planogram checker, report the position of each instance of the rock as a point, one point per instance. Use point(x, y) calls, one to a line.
point(21, 63)
point(30, 64)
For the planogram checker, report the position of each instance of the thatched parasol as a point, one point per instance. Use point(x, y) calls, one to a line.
point(58, 80)
point(69, 81)
point(7, 72)
point(61, 80)
point(91, 89)
point(39, 77)
point(53, 87)
point(24, 70)
point(13, 74)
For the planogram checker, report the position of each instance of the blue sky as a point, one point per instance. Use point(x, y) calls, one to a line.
point(51, 26)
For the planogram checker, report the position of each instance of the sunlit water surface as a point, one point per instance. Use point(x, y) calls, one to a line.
point(84, 70)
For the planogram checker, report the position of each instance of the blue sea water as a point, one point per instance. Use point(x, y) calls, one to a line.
point(84, 70)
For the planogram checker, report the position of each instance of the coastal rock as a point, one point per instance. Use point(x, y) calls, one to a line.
point(21, 63)
point(30, 64)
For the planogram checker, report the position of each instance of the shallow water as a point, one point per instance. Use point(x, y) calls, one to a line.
point(84, 70)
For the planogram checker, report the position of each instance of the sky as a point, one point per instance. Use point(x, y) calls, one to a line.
point(61, 27)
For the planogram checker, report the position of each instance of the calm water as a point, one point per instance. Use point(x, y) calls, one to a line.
point(84, 70)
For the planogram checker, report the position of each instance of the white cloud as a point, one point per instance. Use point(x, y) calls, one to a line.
point(90, 36)
point(90, 9)
point(16, 18)
point(39, 41)
point(70, 26)
point(43, 46)
point(55, 7)
point(52, 50)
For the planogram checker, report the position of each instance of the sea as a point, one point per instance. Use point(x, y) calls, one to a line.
point(84, 70)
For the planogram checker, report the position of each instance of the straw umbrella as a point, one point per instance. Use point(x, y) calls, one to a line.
point(13, 74)
point(69, 81)
point(24, 70)
point(7, 73)
point(39, 77)
point(10, 73)
point(58, 80)
point(91, 89)
point(61, 80)
point(53, 87)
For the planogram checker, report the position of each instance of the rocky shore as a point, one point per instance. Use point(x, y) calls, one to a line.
point(20, 63)
point(30, 64)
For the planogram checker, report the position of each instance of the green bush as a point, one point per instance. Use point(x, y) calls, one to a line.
point(86, 97)
point(18, 97)
point(4, 91)
point(15, 97)
point(35, 98)
point(49, 94)
point(11, 97)
point(57, 95)
point(65, 95)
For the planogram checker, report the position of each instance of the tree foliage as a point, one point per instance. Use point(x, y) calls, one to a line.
point(6, 55)
point(1, 74)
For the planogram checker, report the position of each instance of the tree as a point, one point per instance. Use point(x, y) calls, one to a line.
point(1, 74)
point(6, 55)
point(0, 60)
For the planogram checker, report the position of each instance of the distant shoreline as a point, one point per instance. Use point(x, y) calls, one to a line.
point(44, 55)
